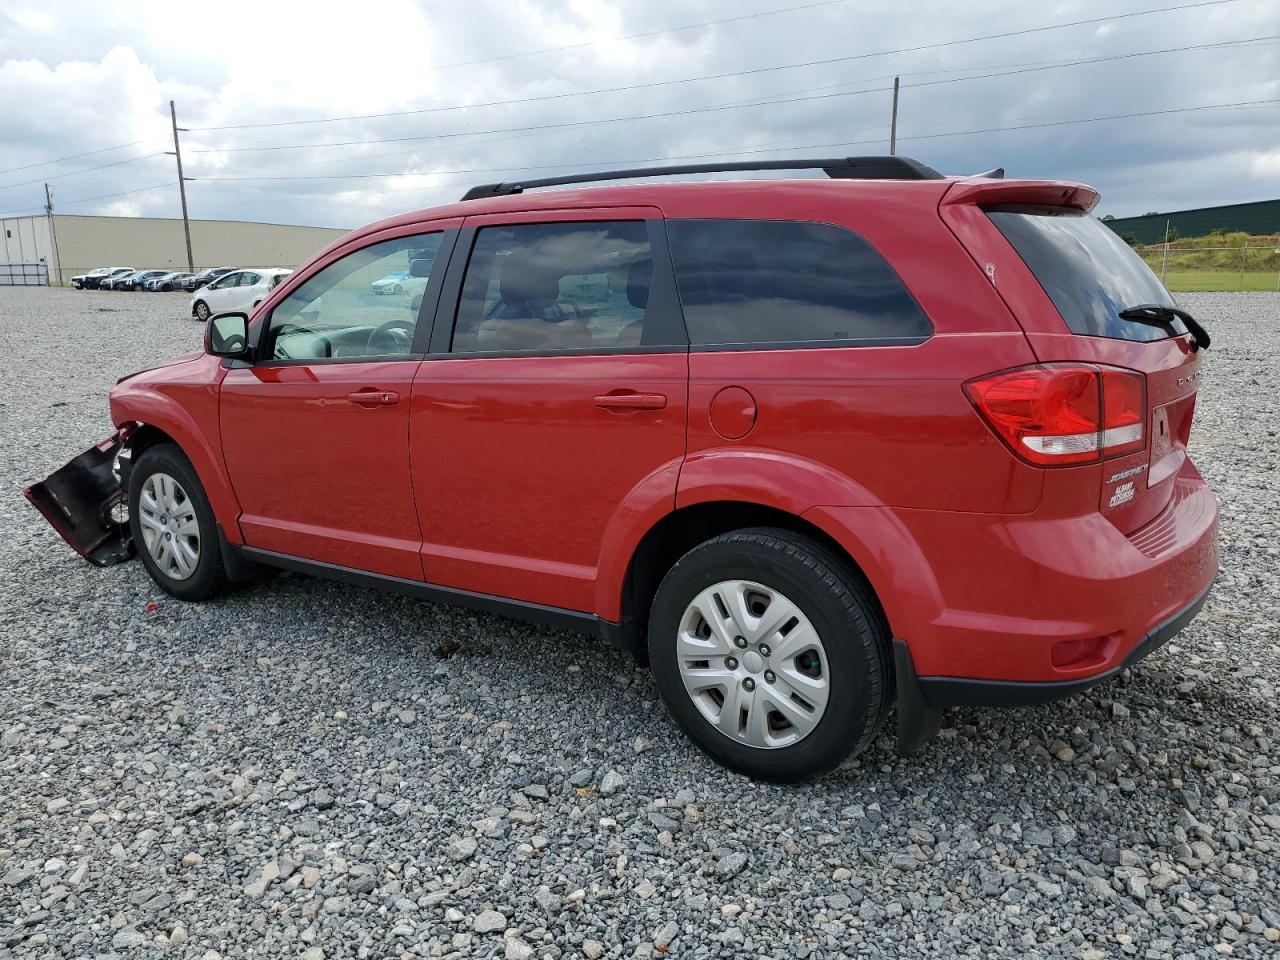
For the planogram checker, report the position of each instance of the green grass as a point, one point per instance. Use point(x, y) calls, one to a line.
point(1217, 281)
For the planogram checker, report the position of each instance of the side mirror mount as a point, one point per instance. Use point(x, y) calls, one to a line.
point(420, 268)
point(227, 335)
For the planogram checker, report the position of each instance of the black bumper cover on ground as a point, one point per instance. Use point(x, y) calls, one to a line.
point(81, 500)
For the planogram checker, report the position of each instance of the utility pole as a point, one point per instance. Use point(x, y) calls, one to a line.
point(182, 185)
point(53, 230)
point(1164, 261)
point(893, 123)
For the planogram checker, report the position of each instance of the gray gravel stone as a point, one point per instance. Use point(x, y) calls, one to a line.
point(489, 921)
point(461, 849)
point(128, 939)
point(730, 864)
point(199, 747)
point(612, 783)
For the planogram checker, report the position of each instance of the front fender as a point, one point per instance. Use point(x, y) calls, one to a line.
point(188, 413)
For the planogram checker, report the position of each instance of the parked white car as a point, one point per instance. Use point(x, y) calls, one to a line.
point(237, 292)
point(412, 281)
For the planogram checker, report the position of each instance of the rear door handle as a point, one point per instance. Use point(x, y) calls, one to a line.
point(374, 398)
point(631, 401)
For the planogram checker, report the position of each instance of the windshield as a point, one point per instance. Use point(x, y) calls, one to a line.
point(1088, 272)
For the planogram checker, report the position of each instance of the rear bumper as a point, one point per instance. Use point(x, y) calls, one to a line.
point(967, 691)
point(1054, 600)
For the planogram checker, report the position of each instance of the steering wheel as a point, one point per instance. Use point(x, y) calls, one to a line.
point(393, 337)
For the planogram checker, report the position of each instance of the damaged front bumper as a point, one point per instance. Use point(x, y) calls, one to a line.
point(86, 502)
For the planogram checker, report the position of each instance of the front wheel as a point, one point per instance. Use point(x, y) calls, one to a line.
point(771, 654)
point(173, 525)
point(202, 311)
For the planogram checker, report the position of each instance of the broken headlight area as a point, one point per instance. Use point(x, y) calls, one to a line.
point(86, 503)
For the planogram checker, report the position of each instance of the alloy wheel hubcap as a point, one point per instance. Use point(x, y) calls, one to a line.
point(753, 664)
point(170, 531)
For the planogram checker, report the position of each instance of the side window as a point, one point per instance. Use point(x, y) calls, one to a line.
point(786, 282)
point(339, 312)
point(229, 280)
point(249, 279)
point(555, 286)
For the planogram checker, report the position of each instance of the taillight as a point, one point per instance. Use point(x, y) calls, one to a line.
point(1054, 414)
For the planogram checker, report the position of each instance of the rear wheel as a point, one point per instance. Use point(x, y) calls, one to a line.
point(201, 311)
point(771, 654)
point(173, 525)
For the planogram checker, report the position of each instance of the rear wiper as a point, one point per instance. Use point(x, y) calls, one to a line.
point(1159, 315)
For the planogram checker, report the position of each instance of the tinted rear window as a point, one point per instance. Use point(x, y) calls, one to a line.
point(787, 282)
point(1088, 272)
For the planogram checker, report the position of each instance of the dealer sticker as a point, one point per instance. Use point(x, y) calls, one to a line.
point(1123, 494)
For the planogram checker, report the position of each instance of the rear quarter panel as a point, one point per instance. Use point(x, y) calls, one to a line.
point(893, 420)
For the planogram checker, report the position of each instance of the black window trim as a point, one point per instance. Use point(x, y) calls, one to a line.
point(846, 342)
point(426, 311)
point(840, 343)
point(668, 313)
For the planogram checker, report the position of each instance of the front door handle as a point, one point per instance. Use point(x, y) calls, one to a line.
point(631, 401)
point(374, 398)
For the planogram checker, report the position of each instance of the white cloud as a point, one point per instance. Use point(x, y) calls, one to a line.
point(34, 21)
point(1266, 165)
point(100, 78)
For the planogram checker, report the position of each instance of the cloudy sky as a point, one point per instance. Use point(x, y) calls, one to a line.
point(419, 100)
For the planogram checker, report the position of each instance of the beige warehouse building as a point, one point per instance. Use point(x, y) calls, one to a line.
point(87, 242)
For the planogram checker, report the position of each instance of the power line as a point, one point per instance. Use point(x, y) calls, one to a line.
point(1247, 104)
point(74, 156)
point(716, 76)
point(1244, 104)
point(76, 173)
point(107, 196)
point(112, 196)
point(710, 108)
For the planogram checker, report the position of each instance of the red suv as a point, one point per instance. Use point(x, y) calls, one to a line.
point(812, 446)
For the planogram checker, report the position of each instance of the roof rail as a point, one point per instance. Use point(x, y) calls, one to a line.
point(838, 168)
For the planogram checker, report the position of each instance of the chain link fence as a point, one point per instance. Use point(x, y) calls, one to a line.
point(1232, 262)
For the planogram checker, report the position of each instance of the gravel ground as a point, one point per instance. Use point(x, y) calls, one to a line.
point(310, 769)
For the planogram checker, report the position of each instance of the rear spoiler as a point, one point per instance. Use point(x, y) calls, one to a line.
point(1050, 193)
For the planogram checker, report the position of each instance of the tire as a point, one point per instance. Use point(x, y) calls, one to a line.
point(161, 464)
point(201, 311)
point(819, 593)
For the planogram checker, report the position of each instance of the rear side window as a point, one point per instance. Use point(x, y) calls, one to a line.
point(552, 287)
point(781, 282)
point(1088, 272)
